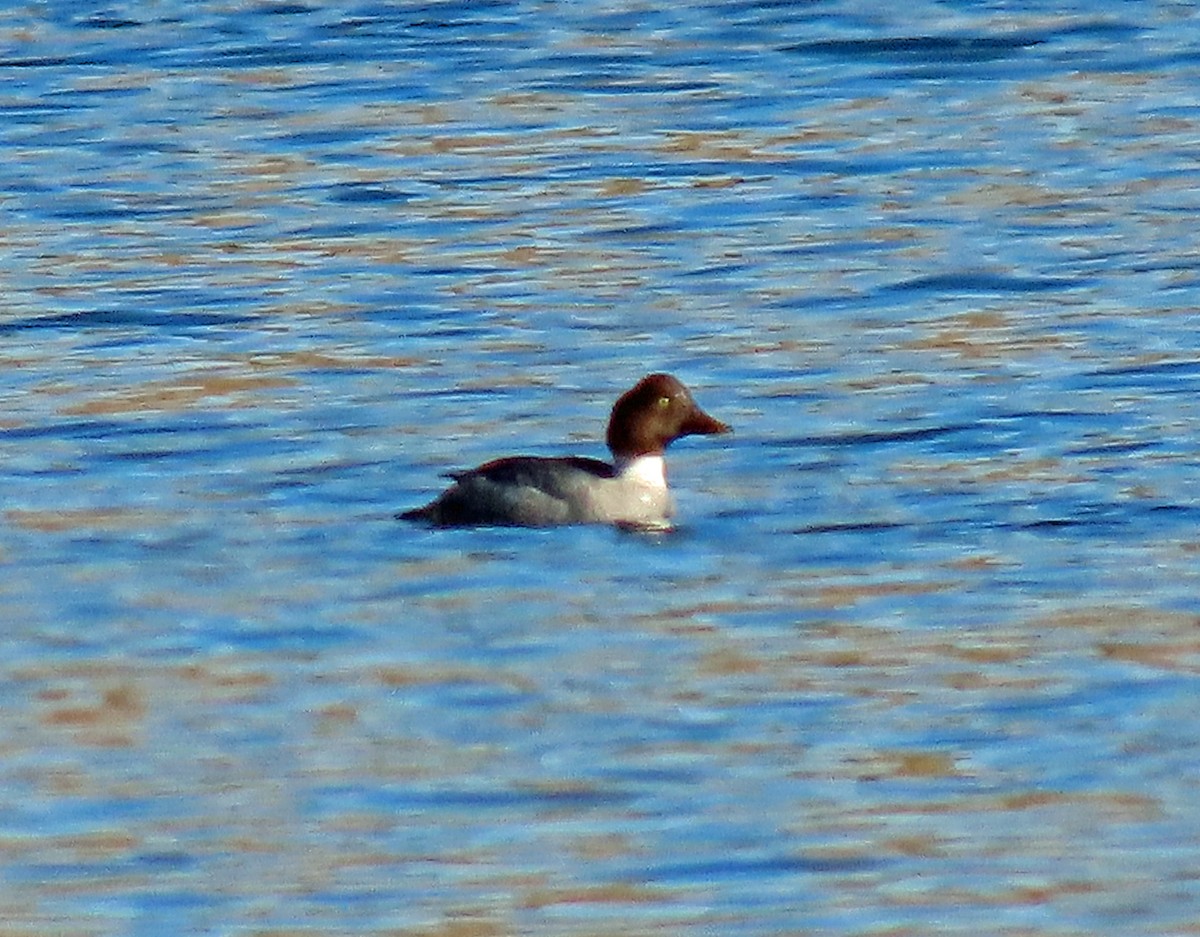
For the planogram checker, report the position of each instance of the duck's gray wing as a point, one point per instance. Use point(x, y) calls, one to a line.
point(526, 491)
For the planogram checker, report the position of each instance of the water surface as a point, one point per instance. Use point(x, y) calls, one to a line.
point(920, 657)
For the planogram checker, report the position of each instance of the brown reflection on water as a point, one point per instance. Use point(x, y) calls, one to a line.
point(620, 893)
point(236, 381)
point(215, 387)
point(404, 677)
point(69, 692)
point(986, 335)
point(843, 594)
point(1149, 637)
point(325, 358)
point(115, 719)
point(883, 763)
point(1180, 654)
point(70, 520)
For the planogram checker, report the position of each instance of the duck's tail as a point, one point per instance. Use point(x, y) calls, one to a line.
point(422, 515)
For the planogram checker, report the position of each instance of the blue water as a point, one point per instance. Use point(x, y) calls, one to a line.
point(923, 654)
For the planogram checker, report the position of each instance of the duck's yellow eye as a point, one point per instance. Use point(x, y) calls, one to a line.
point(664, 402)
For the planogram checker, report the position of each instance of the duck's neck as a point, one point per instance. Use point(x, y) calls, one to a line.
point(649, 470)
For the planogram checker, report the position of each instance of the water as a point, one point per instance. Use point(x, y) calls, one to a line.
point(922, 655)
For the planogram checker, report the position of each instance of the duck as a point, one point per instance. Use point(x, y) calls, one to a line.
point(539, 491)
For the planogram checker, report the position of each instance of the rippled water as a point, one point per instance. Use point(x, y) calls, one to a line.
point(922, 657)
